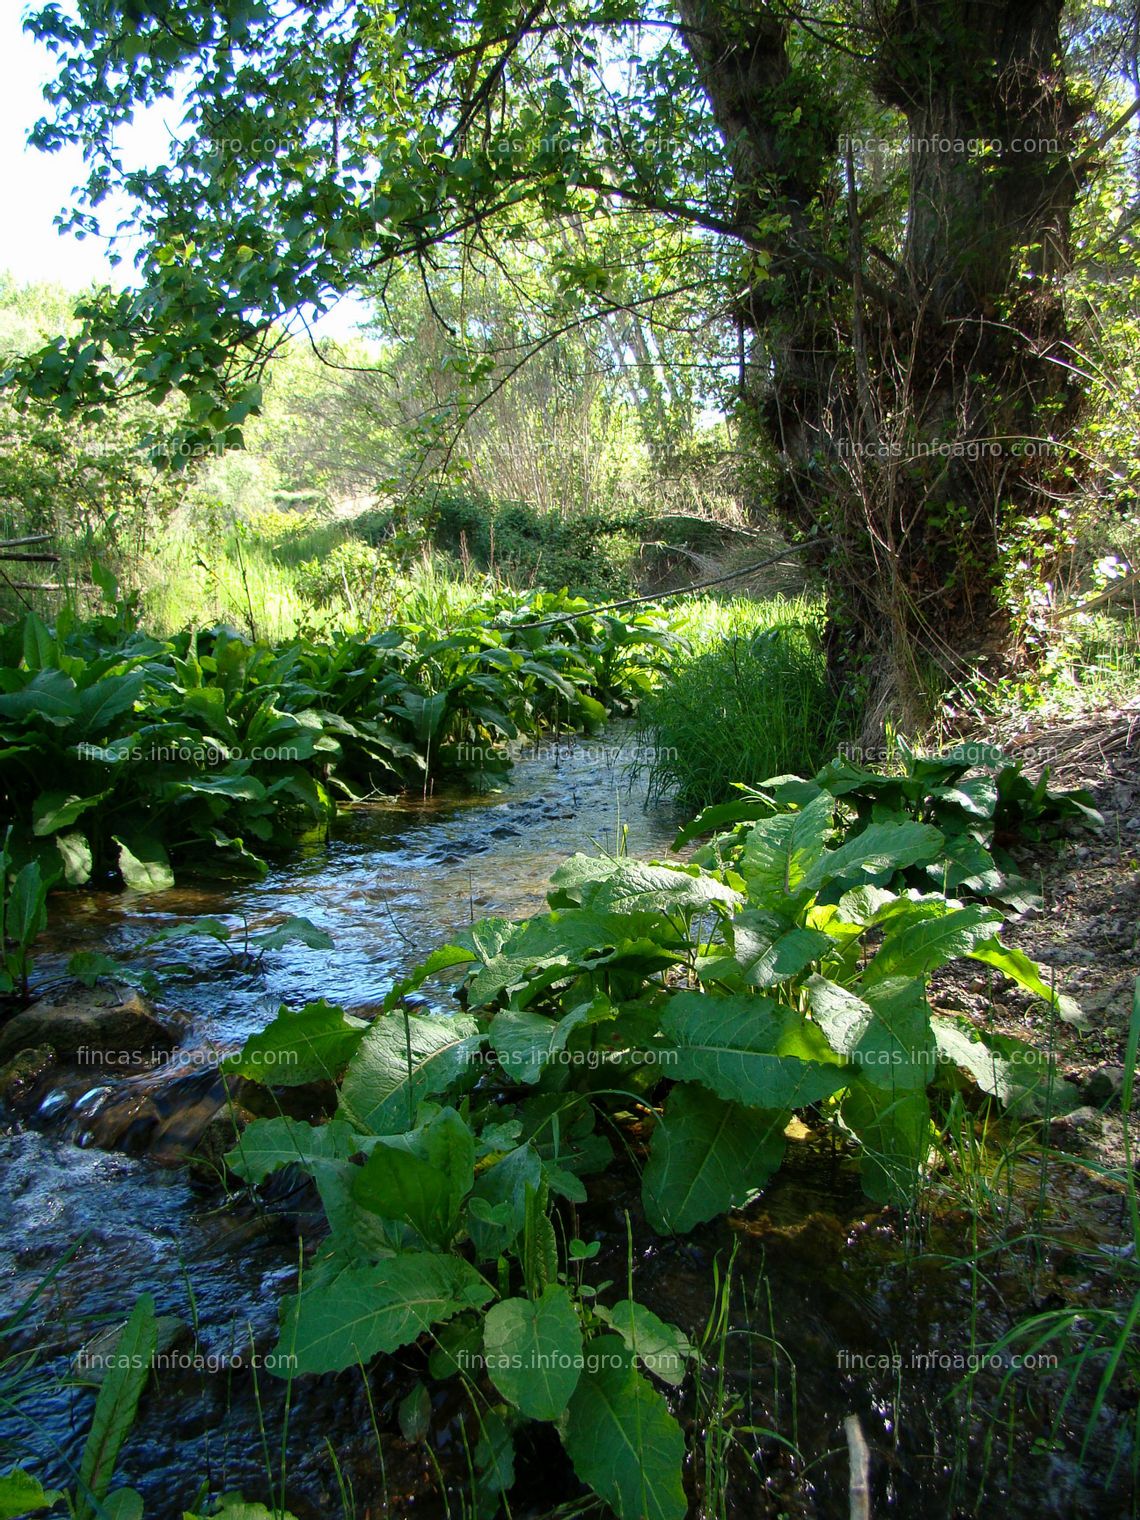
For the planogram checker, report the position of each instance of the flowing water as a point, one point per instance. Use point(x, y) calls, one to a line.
point(828, 1309)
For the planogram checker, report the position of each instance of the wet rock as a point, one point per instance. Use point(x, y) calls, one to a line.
point(219, 1136)
point(88, 1026)
point(1077, 1131)
point(23, 1072)
point(1104, 1086)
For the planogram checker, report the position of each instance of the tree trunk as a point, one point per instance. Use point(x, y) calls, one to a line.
point(911, 402)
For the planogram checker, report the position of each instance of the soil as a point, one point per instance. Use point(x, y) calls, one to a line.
point(1086, 933)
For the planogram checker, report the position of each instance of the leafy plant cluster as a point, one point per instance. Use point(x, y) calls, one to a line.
point(126, 1360)
point(705, 1004)
point(121, 753)
point(591, 551)
point(980, 816)
point(23, 914)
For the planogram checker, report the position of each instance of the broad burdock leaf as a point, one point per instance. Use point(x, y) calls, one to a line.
point(779, 852)
point(1020, 969)
point(421, 1179)
point(885, 1035)
point(526, 1045)
point(769, 952)
point(621, 1438)
point(895, 1133)
point(880, 850)
point(53, 811)
point(503, 1186)
point(1016, 1073)
point(636, 886)
point(266, 1145)
point(918, 949)
point(748, 1049)
point(310, 1044)
point(144, 864)
point(707, 1156)
point(533, 1351)
point(364, 1311)
point(663, 1349)
point(403, 1059)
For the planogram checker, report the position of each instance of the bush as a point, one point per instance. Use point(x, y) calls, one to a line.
point(589, 553)
point(753, 703)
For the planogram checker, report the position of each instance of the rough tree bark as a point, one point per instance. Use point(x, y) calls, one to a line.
point(897, 385)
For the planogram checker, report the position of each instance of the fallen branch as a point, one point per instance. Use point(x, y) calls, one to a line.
point(661, 596)
point(1105, 596)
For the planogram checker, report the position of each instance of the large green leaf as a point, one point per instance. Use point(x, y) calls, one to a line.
point(144, 863)
point(364, 1311)
point(75, 853)
point(661, 1348)
point(421, 1179)
point(885, 1035)
point(105, 700)
point(527, 1044)
point(622, 1439)
point(635, 886)
point(21, 1494)
point(25, 915)
point(1020, 969)
point(49, 695)
point(894, 1131)
point(53, 811)
point(779, 852)
point(769, 952)
point(749, 1049)
point(311, 1044)
point(880, 849)
point(266, 1145)
point(125, 1374)
point(533, 1351)
point(1016, 1073)
point(544, 949)
point(724, 815)
point(498, 1201)
point(918, 949)
point(707, 1156)
point(401, 1060)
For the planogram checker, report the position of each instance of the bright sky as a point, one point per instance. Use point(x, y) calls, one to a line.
point(36, 186)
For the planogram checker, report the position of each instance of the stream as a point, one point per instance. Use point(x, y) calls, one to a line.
point(829, 1307)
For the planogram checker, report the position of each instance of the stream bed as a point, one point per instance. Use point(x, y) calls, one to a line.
point(832, 1314)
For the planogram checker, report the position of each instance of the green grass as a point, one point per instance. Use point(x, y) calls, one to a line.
point(1106, 667)
point(750, 700)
